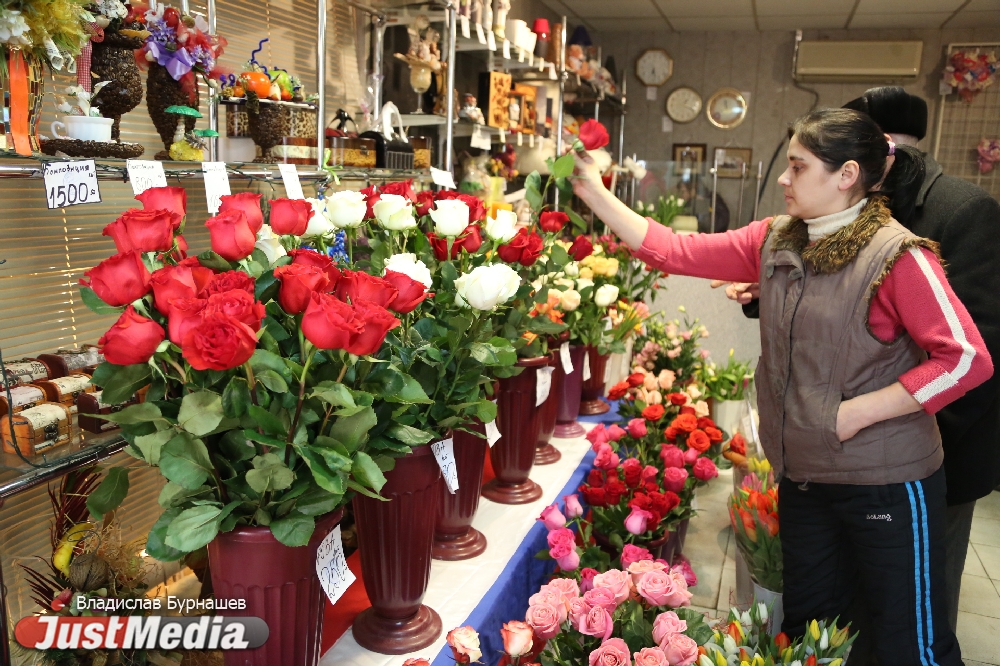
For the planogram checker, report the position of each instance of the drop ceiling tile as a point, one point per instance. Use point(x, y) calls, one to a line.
point(982, 6)
point(804, 7)
point(594, 9)
point(812, 22)
point(629, 24)
point(705, 8)
point(968, 19)
point(908, 6)
point(713, 23)
point(559, 8)
point(899, 20)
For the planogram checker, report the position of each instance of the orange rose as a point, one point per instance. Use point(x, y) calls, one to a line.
point(698, 441)
point(685, 423)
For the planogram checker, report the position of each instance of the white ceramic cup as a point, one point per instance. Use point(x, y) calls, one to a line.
point(84, 128)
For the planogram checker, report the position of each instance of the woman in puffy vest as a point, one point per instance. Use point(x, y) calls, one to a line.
point(862, 342)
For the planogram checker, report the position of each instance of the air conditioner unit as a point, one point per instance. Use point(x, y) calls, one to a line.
point(862, 62)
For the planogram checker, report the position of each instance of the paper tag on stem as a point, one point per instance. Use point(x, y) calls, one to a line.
point(216, 184)
point(331, 566)
point(444, 453)
point(71, 183)
point(586, 366)
point(480, 139)
point(543, 384)
point(144, 174)
point(567, 362)
point(492, 432)
point(479, 34)
point(290, 177)
point(443, 178)
point(506, 49)
point(607, 371)
point(464, 21)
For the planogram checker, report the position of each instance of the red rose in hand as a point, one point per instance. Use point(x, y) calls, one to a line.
point(653, 412)
point(469, 240)
point(403, 188)
point(298, 282)
point(377, 321)
point(143, 230)
point(553, 221)
point(239, 305)
point(319, 260)
point(249, 203)
point(738, 444)
point(685, 423)
point(477, 210)
point(698, 441)
point(424, 202)
point(290, 217)
point(181, 281)
point(360, 286)
point(618, 391)
point(523, 248)
point(228, 281)
point(132, 339)
point(219, 343)
point(330, 323)
point(173, 199)
point(410, 292)
point(581, 248)
point(232, 237)
point(119, 279)
point(184, 314)
point(593, 135)
point(371, 198)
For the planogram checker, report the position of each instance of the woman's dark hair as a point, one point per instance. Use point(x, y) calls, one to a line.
point(837, 136)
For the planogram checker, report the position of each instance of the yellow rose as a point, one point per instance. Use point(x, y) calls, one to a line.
point(587, 273)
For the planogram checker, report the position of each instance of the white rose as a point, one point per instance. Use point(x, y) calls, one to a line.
point(451, 217)
point(563, 282)
point(572, 269)
point(569, 300)
point(487, 286)
point(346, 209)
point(408, 264)
point(606, 295)
point(270, 244)
point(319, 223)
point(583, 283)
point(394, 212)
point(503, 227)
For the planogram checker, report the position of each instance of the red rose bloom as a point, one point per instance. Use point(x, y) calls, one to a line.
point(671, 433)
point(219, 343)
point(119, 279)
point(469, 240)
point(143, 230)
point(581, 248)
point(239, 305)
point(633, 472)
point(181, 281)
point(183, 315)
point(698, 441)
point(360, 286)
point(371, 198)
point(132, 339)
point(593, 135)
point(249, 203)
point(227, 281)
point(377, 321)
point(298, 282)
point(477, 211)
point(232, 237)
point(524, 248)
point(290, 217)
point(653, 412)
point(714, 435)
point(424, 202)
point(410, 293)
point(635, 379)
point(677, 398)
point(672, 501)
point(319, 260)
point(705, 422)
point(688, 409)
point(640, 501)
point(618, 391)
point(738, 444)
point(658, 502)
point(685, 423)
point(553, 221)
point(595, 478)
point(173, 199)
point(403, 188)
point(330, 323)
point(594, 496)
point(613, 491)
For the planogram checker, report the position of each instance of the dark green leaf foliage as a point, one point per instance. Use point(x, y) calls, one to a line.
point(109, 495)
point(120, 382)
point(96, 305)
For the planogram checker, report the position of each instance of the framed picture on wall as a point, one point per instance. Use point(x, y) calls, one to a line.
point(690, 154)
point(732, 160)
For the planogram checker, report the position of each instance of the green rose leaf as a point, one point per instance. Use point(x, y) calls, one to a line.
point(156, 546)
point(109, 495)
point(271, 424)
point(96, 305)
point(317, 501)
point(409, 435)
point(330, 481)
point(352, 431)
point(334, 393)
point(578, 222)
point(184, 460)
point(201, 412)
point(563, 167)
point(533, 190)
point(367, 472)
point(264, 360)
point(194, 528)
point(273, 381)
point(293, 530)
point(144, 412)
point(150, 446)
point(236, 398)
point(210, 259)
point(269, 473)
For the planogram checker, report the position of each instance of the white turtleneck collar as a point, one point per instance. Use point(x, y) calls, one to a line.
point(828, 224)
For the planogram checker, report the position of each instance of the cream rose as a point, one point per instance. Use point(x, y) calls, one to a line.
point(464, 642)
point(451, 217)
point(394, 212)
point(606, 295)
point(583, 283)
point(518, 638)
point(408, 264)
point(487, 286)
point(319, 223)
point(502, 227)
point(346, 209)
point(270, 244)
point(569, 300)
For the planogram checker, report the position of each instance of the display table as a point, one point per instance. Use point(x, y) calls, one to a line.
point(483, 592)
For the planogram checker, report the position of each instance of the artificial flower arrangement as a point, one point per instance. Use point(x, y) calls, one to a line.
point(753, 512)
point(273, 398)
point(730, 382)
point(53, 31)
point(970, 74)
point(183, 46)
point(672, 347)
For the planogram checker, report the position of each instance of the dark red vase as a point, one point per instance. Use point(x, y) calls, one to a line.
point(280, 586)
point(569, 397)
point(518, 422)
point(545, 453)
point(593, 388)
point(454, 536)
point(395, 540)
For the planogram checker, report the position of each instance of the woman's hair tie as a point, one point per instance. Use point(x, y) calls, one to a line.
point(892, 148)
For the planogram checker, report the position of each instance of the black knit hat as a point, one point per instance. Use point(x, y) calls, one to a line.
point(895, 110)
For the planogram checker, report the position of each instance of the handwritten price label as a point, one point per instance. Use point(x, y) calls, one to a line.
point(216, 184)
point(506, 49)
point(567, 362)
point(71, 183)
point(444, 453)
point(492, 432)
point(586, 366)
point(331, 566)
point(290, 177)
point(543, 384)
point(480, 139)
point(464, 22)
point(443, 178)
point(144, 174)
point(480, 35)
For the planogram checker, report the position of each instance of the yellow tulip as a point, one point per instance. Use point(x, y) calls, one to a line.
point(719, 659)
point(836, 662)
point(757, 660)
point(838, 637)
point(814, 630)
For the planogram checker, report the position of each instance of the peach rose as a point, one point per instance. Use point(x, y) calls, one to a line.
point(577, 608)
point(544, 619)
point(618, 582)
point(552, 597)
point(638, 569)
point(612, 653)
point(651, 657)
point(568, 588)
point(518, 637)
point(666, 624)
point(464, 642)
point(680, 650)
point(655, 587)
point(597, 622)
point(680, 596)
point(603, 597)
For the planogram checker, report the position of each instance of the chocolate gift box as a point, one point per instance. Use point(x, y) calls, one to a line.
point(65, 390)
point(37, 430)
point(90, 406)
point(25, 371)
point(69, 361)
point(21, 398)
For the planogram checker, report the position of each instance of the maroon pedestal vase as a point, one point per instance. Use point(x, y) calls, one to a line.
point(593, 388)
point(569, 397)
point(280, 586)
point(545, 453)
point(395, 540)
point(514, 453)
point(454, 536)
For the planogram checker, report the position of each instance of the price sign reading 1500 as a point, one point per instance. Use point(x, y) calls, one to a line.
point(71, 183)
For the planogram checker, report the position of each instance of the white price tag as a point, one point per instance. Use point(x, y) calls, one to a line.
point(216, 184)
point(491, 41)
point(567, 362)
point(667, 125)
point(290, 177)
point(480, 139)
point(480, 34)
point(144, 174)
point(443, 178)
point(444, 453)
point(552, 72)
point(543, 384)
point(331, 566)
point(531, 140)
point(586, 366)
point(492, 433)
point(520, 54)
point(607, 371)
point(506, 49)
point(520, 138)
point(503, 135)
point(541, 64)
point(71, 183)
point(464, 21)
point(651, 93)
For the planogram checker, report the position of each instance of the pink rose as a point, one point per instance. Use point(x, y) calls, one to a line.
point(637, 428)
point(679, 650)
point(649, 473)
point(618, 582)
point(573, 507)
point(678, 594)
point(666, 624)
point(704, 469)
point(674, 478)
point(597, 622)
point(638, 569)
point(578, 608)
point(690, 456)
point(587, 579)
point(567, 587)
point(613, 652)
point(672, 456)
point(684, 567)
point(606, 458)
point(615, 433)
point(632, 554)
point(561, 536)
point(552, 517)
point(603, 597)
point(637, 521)
point(655, 587)
point(651, 657)
point(518, 638)
point(598, 435)
point(568, 562)
point(552, 597)
point(544, 619)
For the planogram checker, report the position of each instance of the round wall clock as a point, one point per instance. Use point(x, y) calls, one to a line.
point(727, 108)
point(654, 67)
point(683, 105)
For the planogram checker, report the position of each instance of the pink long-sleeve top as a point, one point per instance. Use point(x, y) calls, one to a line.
point(914, 298)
